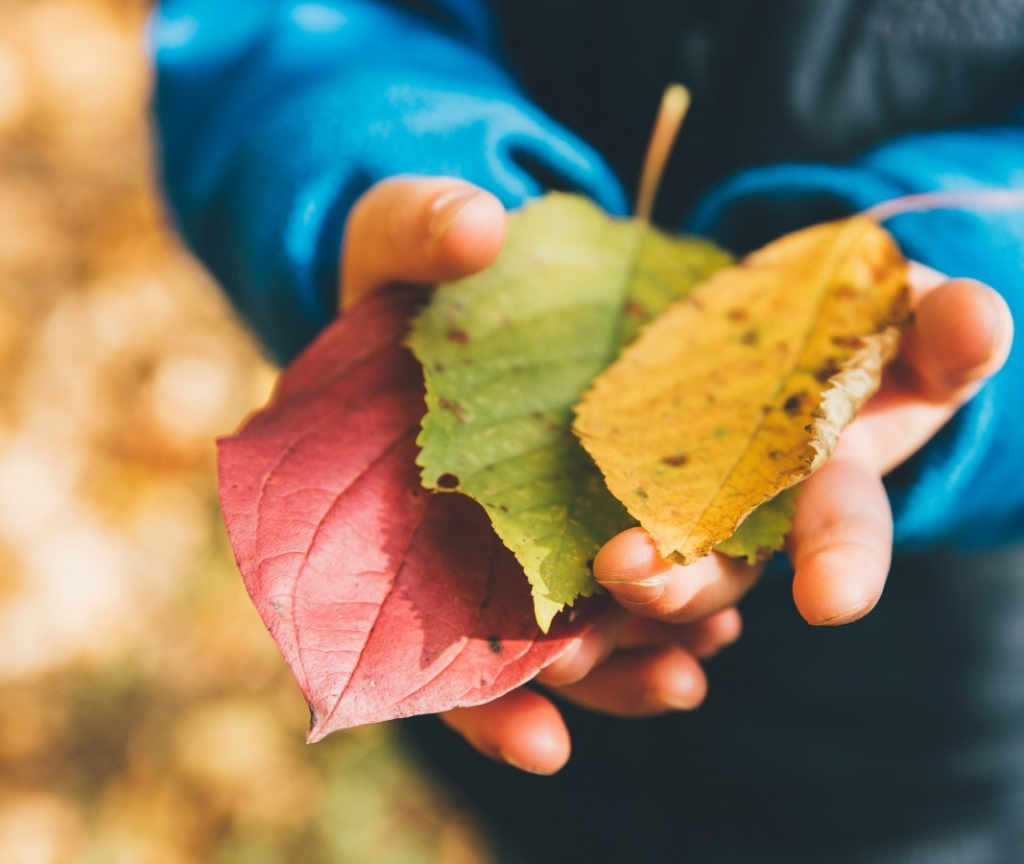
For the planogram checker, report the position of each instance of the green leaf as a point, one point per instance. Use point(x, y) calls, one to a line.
point(764, 531)
point(507, 354)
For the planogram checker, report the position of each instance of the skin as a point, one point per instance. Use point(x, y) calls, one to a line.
point(643, 659)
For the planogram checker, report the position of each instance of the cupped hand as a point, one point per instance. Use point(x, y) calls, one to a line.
point(841, 543)
point(418, 230)
point(643, 658)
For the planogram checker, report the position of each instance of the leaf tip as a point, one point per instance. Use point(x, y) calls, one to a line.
point(545, 609)
point(316, 731)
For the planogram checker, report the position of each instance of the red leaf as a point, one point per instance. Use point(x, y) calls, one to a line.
point(386, 601)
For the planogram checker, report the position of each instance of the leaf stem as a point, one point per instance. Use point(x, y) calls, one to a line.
point(674, 106)
point(966, 199)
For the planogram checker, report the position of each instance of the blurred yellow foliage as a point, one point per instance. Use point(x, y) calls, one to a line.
point(144, 713)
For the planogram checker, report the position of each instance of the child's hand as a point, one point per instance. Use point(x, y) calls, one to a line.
point(642, 659)
point(841, 542)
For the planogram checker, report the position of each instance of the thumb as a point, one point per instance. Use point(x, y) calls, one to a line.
point(418, 230)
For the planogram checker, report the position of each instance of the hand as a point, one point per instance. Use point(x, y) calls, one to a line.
point(841, 542)
point(431, 230)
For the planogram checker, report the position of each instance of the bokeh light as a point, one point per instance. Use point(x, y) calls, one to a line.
point(145, 715)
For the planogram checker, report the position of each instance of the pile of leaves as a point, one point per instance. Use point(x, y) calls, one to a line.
point(389, 596)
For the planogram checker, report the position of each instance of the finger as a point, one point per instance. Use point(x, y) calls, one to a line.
point(961, 335)
point(641, 682)
point(587, 651)
point(418, 230)
point(703, 639)
point(922, 280)
point(841, 542)
point(521, 728)
point(633, 572)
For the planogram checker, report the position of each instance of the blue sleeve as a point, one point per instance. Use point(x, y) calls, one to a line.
point(966, 487)
point(273, 116)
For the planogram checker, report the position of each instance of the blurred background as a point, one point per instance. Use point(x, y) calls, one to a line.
point(145, 715)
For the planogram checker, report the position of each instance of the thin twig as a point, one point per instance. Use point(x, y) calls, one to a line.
point(674, 105)
point(966, 199)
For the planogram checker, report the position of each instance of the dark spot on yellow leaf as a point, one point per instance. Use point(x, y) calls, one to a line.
point(794, 404)
point(675, 461)
point(459, 337)
point(738, 314)
point(439, 367)
point(827, 371)
point(447, 481)
point(751, 337)
point(846, 292)
point(848, 342)
point(809, 428)
point(641, 493)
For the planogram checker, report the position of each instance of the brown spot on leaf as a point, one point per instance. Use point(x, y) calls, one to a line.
point(447, 481)
point(635, 310)
point(641, 493)
point(846, 292)
point(737, 314)
point(794, 404)
point(459, 337)
point(751, 337)
point(827, 371)
point(452, 408)
point(675, 461)
point(848, 342)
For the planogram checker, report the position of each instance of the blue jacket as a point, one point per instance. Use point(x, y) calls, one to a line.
point(275, 115)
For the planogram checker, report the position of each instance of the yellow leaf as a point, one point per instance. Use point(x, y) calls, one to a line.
point(741, 389)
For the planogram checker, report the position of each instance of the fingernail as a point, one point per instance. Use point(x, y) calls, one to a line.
point(678, 701)
point(508, 760)
point(447, 209)
point(996, 306)
point(847, 617)
point(637, 593)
